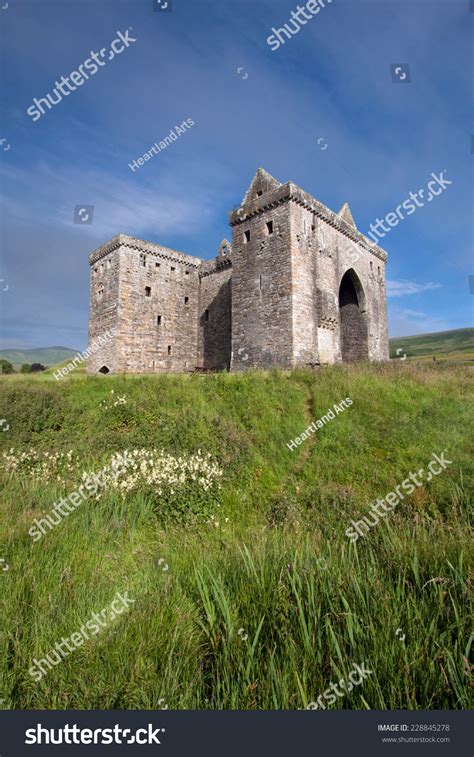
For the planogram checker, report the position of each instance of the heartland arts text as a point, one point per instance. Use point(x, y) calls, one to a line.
point(158, 147)
point(81, 356)
point(320, 423)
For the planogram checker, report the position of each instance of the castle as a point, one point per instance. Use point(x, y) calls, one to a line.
point(298, 286)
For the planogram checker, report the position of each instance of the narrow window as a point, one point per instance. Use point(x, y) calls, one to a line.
point(187, 273)
point(259, 193)
point(186, 300)
point(95, 269)
point(157, 265)
point(260, 282)
point(173, 269)
point(371, 267)
point(246, 237)
point(100, 291)
point(158, 320)
point(206, 315)
point(378, 271)
point(147, 291)
point(270, 228)
point(169, 349)
point(143, 260)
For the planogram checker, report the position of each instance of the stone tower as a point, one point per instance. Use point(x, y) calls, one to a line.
point(307, 287)
point(298, 286)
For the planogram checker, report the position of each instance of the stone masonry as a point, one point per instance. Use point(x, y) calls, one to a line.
point(298, 286)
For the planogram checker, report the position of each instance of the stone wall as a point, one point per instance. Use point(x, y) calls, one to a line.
point(103, 306)
point(261, 280)
point(157, 295)
point(215, 305)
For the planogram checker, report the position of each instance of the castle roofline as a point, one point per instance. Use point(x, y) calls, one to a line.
point(291, 192)
point(123, 240)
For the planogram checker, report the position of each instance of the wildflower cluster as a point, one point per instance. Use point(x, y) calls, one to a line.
point(184, 487)
point(117, 401)
point(165, 474)
point(41, 466)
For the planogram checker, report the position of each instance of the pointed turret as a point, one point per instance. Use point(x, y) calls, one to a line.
point(225, 249)
point(262, 182)
point(346, 215)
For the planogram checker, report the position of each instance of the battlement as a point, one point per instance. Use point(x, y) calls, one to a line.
point(150, 248)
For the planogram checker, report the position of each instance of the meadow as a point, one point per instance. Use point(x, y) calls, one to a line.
point(247, 592)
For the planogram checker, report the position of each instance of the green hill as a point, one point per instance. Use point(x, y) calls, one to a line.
point(45, 355)
point(458, 343)
point(247, 591)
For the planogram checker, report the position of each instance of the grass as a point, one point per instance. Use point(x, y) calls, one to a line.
point(268, 608)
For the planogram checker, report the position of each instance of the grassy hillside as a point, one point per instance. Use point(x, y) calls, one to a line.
point(45, 355)
point(248, 593)
point(458, 343)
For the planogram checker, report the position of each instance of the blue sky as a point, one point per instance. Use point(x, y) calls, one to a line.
point(330, 82)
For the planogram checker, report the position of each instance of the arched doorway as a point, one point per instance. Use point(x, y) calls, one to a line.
point(104, 369)
point(353, 319)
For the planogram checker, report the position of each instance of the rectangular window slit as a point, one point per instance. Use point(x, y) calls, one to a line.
point(206, 315)
point(158, 320)
point(147, 291)
point(246, 236)
point(169, 349)
point(270, 228)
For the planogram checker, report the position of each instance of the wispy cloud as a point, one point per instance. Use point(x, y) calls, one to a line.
point(120, 205)
point(407, 322)
point(402, 287)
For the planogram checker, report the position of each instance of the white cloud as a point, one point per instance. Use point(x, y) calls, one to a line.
point(120, 205)
point(402, 287)
point(406, 322)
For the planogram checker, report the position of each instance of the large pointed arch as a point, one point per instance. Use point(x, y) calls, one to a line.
point(353, 318)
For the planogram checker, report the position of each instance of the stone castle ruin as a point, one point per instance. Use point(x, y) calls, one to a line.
point(298, 286)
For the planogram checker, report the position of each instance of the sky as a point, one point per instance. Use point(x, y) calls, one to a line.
point(322, 110)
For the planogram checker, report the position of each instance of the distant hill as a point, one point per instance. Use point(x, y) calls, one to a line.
point(45, 355)
point(458, 342)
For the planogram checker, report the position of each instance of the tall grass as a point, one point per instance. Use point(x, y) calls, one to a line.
point(267, 608)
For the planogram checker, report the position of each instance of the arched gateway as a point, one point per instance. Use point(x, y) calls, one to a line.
point(353, 318)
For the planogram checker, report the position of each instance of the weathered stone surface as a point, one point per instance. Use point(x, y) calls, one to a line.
point(299, 285)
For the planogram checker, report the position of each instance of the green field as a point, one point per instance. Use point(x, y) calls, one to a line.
point(445, 345)
point(248, 594)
